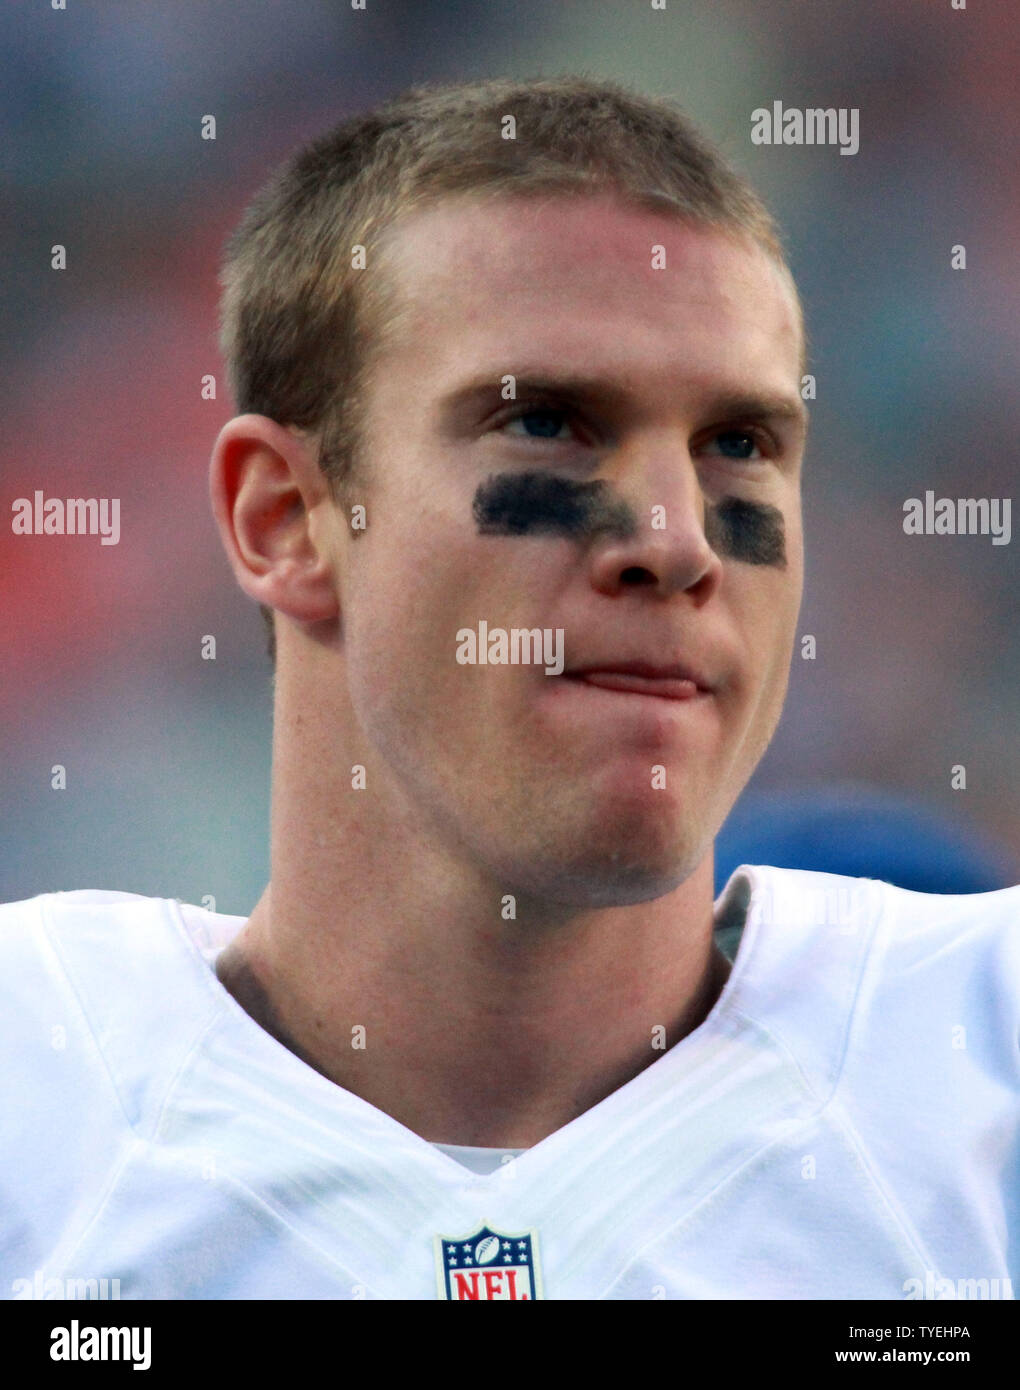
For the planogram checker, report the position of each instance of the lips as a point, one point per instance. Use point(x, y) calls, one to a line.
point(675, 682)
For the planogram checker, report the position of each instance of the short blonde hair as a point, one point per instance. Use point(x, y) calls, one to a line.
point(298, 322)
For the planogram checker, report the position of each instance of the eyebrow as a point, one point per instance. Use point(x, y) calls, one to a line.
point(578, 391)
point(752, 407)
point(592, 392)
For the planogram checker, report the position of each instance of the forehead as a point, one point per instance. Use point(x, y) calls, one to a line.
point(590, 281)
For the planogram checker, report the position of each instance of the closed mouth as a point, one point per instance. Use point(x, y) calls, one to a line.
point(668, 683)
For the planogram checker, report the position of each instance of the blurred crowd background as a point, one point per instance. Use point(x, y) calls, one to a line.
point(167, 755)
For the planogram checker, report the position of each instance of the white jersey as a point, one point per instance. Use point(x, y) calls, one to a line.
point(844, 1124)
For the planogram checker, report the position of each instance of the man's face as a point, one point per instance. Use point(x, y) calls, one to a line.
point(667, 387)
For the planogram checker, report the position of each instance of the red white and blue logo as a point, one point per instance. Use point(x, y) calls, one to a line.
point(488, 1266)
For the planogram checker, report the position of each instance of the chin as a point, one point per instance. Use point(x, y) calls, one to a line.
point(614, 869)
point(608, 883)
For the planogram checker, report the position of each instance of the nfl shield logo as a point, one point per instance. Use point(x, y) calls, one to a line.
point(488, 1266)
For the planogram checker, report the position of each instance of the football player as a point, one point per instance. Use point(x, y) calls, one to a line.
point(516, 476)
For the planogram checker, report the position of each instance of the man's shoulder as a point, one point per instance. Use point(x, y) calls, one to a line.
point(36, 934)
point(956, 957)
point(822, 951)
point(102, 995)
point(791, 898)
point(82, 906)
point(121, 972)
point(49, 924)
point(899, 934)
point(56, 934)
point(80, 899)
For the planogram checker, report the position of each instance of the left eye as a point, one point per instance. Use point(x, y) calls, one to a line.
point(735, 444)
point(540, 423)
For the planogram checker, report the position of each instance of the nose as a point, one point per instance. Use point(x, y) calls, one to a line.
point(668, 553)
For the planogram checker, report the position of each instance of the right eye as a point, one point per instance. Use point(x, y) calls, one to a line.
point(537, 422)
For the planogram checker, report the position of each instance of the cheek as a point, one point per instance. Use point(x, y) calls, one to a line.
point(767, 604)
point(408, 594)
point(386, 599)
point(779, 640)
point(764, 596)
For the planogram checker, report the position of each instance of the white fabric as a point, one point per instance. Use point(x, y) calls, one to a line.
point(479, 1160)
point(844, 1121)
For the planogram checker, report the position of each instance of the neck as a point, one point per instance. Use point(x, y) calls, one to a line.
point(478, 1030)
